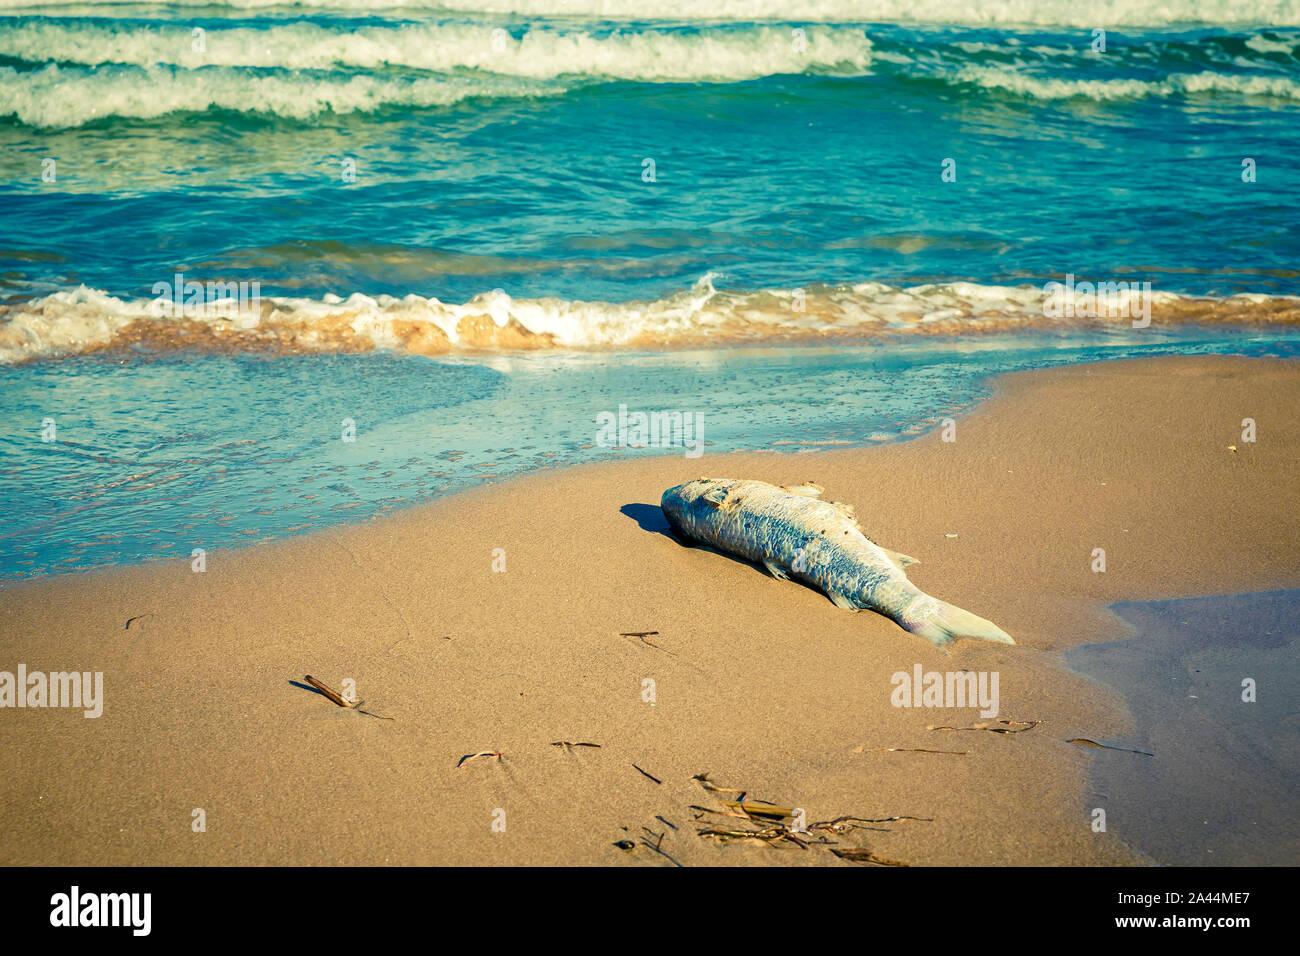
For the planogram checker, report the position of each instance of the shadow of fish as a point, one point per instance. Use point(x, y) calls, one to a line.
point(793, 533)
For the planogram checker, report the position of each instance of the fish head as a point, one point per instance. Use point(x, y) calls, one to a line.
point(689, 504)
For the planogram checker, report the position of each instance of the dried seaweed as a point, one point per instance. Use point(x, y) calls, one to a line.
point(569, 745)
point(769, 834)
point(840, 824)
point(772, 824)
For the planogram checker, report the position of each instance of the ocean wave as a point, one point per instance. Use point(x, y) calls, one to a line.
point(651, 56)
point(57, 96)
point(1179, 84)
point(84, 320)
point(301, 70)
point(298, 70)
point(1072, 13)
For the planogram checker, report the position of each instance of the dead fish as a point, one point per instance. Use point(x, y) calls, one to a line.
point(794, 534)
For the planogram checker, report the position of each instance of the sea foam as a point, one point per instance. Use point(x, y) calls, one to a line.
point(87, 320)
point(1076, 13)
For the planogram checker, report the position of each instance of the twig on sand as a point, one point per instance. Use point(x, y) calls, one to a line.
point(709, 785)
point(758, 809)
point(485, 753)
point(644, 774)
point(642, 635)
point(1085, 742)
point(342, 701)
point(138, 617)
point(569, 746)
point(863, 855)
point(659, 839)
point(332, 694)
point(1020, 726)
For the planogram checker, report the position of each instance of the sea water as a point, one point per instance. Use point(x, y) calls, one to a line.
point(469, 228)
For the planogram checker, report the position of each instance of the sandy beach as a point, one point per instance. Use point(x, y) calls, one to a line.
point(761, 686)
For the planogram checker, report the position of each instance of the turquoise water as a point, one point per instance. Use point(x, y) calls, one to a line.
point(522, 168)
point(871, 196)
point(157, 456)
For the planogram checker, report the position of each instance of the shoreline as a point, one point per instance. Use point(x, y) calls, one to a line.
point(761, 685)
point(139, 520)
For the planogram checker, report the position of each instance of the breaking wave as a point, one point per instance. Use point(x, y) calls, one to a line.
point(70, 96)
point(68, 73)
point(1179, 84)
point(535, 53)
point(1074, 13)
point(86, 320)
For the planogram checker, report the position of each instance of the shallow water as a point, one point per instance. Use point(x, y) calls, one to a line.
point(157, 455)
point(1221, 787)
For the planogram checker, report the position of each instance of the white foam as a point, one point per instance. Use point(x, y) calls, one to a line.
point(1177, 84)
point(1074, 13)
point(82, 319)
point(1288, 45)
point(72, 96)
point(532, 53)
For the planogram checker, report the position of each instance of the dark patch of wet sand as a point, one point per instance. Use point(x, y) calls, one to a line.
point(1221, 787)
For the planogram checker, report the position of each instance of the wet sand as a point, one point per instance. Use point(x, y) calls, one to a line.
point(761, 685)
point(1209, 683)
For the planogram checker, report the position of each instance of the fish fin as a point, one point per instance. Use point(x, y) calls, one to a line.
point(900, 559)
point(940, 622)
point(714, 497)
point(841, 600)
point(808, 489)
point(776, 570)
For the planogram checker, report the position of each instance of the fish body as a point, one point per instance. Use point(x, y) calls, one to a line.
point(794, 534)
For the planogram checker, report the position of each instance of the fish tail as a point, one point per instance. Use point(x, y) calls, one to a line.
point(941, 622)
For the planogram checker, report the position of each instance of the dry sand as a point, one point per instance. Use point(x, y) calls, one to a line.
point(763, 685)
